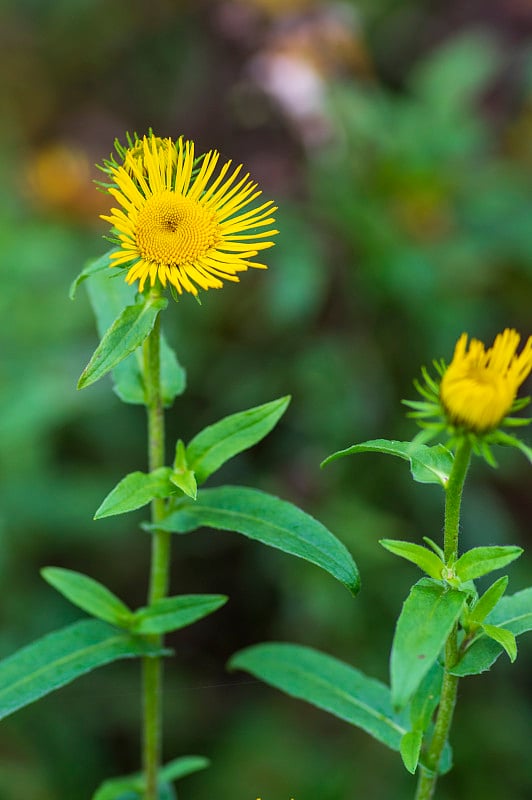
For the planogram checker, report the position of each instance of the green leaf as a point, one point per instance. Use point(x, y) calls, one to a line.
point(424, 558)
point(61, 657)
point(124, 791)
point(136, 490)
point(217, 443)
point(89, 595)
point(328, 684)
point(182, 476)
point(109, 294)
point(513, 612)
point(488, 601)
point(410, 749)
point(426, 698)
point(186, 482)
point(481, 560)
point(269, 520)
point(457, 72)
point(92, 268)
point(425, 622)
point(172, 613)
point(126, 333)
point(503, 637)
point(427, 464)
point(178, 768)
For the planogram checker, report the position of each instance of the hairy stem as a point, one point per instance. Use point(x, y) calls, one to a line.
point(453, 498)
point(160, 563)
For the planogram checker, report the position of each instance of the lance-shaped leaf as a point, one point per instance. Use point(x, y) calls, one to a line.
point(327, 683)
point(269, 520)
point(427, 464)
point(480, 560)
point(514, 613)
point(422, 556)
point(136, 490)
point(217, 443)
point(172, 613)
point(488, 601)
point(61, 657)
point(410, 749)
point(503, 637)
point(126, 333)
point(425, 622)
point(109, 294)
point(89, 595)
point(175, 770)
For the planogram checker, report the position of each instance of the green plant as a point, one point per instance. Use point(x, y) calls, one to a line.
point(445, 630)
point(182, 228)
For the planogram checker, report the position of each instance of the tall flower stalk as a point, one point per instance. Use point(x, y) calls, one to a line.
point(160, 565)
point(178, 225)
point(428, 775)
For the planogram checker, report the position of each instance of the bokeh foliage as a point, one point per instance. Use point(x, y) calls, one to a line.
point(405, 207)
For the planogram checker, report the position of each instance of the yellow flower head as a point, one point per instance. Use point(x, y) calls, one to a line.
point(472, 397)
point(179, 224)
point(479, 386)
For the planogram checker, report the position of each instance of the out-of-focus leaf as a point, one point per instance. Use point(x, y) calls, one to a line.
point(449, 80)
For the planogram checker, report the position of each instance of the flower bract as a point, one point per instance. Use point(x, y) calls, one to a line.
point(179, 222)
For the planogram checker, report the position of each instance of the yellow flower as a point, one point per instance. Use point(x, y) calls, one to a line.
point(479, 386)
point(180, 225)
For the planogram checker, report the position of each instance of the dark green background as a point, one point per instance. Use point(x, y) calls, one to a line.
point(405, 210)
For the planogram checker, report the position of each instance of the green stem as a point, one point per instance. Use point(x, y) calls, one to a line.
point(160, 564)
point(453, 499)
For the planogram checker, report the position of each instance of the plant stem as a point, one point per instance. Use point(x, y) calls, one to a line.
point(453, 499)
point(160, 563)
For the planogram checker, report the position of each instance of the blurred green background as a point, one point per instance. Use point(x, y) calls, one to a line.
point(396, 139)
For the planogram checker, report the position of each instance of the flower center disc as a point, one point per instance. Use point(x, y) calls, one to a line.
point(174, 230)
